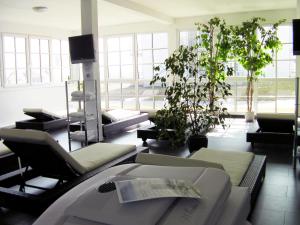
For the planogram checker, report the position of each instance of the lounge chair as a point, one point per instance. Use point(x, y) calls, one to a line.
point(48, 159)
point(8, 160)
point(244, 168)
point(220, 202)
point(273, 128)
point(43, 120)
point(115, 121)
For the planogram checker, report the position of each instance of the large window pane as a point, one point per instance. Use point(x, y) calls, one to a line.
point(9, 60)
point(8, 44)
point(44, 46)
point(145, 72)
point(126, 58)
point(144, 41)
point(145, 56)
point(21, 60)
point(35, 60)
point(128, 89)
point(129, 102)
point(286, 69)
point(113, 44)
point(56, 47)
point(127, 72)
point(266, 87)
point(35, 76)
point(285, 105)
point(146, 103)
point(265, 104)
point(113, 58)
point(34, 45)
point(285, 87)
point(160, 55)
point(10, 76)
point(21, 76)
point(160, 40)
point(20, 44)
point(114, 89)
point(125, 43)
point(114, 72)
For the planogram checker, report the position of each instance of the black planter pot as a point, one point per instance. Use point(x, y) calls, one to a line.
point(196, 142)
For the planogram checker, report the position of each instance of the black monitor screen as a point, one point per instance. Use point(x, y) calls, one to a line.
point(296, 36)
point(82, 48)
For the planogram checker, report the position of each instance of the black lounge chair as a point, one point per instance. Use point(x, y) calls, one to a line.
point(48, 159)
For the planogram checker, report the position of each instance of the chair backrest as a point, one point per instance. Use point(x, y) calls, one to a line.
point(41, 152)
point(280, 122)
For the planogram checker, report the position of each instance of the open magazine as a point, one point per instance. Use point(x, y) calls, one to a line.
point(140, 189)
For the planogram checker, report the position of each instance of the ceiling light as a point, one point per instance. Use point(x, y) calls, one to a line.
point(40, 8)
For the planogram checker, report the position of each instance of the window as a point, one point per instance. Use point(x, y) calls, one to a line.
point(33, 60)
point(126, 68)
point(152, 52)
point(60, 65)
point(40, 61)
point(14, 60)
point(274, 91)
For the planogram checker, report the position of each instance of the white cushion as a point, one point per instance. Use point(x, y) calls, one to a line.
point(166, 160)
point(42, 111)
point(235, 163)
point(95, 155)
point(3, 149)
point(120, 114)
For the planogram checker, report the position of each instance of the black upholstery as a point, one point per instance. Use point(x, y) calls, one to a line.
point(42, 159)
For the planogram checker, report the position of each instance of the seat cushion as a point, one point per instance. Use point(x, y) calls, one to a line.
point(120, 114)
point(3, 149)
point(167, 160)
point(235, 163)
point(97, 155)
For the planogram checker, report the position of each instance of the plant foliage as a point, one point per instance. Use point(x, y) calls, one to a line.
point(253, 47)
point(195, 84)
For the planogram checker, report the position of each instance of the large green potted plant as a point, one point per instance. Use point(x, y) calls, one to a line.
point(214, 46)
point(194, 91)
point(253, 47)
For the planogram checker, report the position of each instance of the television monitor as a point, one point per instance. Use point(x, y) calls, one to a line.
point(296, 36)
point(82, 49)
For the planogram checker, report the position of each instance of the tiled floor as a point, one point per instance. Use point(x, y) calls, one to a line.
point(278, 202)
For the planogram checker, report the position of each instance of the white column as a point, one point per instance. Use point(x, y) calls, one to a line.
point(89, 25)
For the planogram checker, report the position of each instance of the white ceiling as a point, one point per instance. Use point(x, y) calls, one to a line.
point(66, 13)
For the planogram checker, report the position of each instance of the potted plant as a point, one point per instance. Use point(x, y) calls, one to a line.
point(253, 47)
point(192, 92)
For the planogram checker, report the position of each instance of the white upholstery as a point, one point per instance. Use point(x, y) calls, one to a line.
point(120, 114)
point(42, 111)
point(94, 155)
point(82, 160)
point(166, 160)
point(3, 149)
point(235, 163)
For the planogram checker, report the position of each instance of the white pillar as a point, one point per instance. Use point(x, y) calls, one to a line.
point(89, 25)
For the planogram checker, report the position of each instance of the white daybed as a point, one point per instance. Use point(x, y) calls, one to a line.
point(221, 204)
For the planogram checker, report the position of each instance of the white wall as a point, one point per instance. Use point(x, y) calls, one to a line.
point(13, 100)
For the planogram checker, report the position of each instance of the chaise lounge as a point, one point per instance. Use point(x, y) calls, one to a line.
point(273, 129)
point(43, 120)
point(47, 158)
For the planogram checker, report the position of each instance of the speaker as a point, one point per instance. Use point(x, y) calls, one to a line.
point(296, 36)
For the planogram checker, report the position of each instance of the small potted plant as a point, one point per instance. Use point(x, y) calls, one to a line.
point(253, 47)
